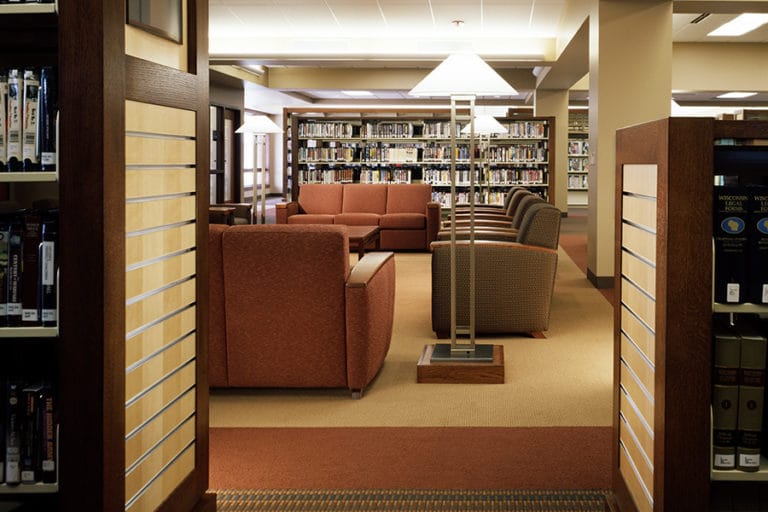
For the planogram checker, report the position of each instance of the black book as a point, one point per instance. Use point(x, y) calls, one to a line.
point(731, 244)
point(47, 126)
point(3, 120)
point(47, 437)
point(13, 294)
point(30, 134)
point(758, 245)
point(30, 435)
point(47, 274)
point(13, 120)
point(30, 307)
point(13, 419)
point(2, 430)
point(4, 237)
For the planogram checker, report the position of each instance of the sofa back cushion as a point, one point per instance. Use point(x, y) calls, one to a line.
point(365, 198)
point(540, 226)
point(217, 341)
point(285, 305)
point(408, 198)
point(321, 198)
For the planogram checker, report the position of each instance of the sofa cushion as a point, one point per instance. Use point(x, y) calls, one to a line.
point(217, 325)
point(408, 198)
point(321, 198)
point(311, 218)
point(357, 219)
point(404, 221)
point(364, 198)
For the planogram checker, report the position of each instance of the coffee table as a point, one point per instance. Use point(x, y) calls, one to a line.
point(362, 236)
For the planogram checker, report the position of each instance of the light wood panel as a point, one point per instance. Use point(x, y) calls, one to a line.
point(632, 479)
point(155, 182)
point(639, 272)
point(160, 426)
point(635, 393)
point(640, 179)
point(166, 483)
point(639, 210)
point(152, 214)
point(157, 306)
point(639, 365)
point(150, 118)
point(644, 469)
point(159, 274)
point(159, 397)
point(640, 304)
point(159, 458)
point(159, 243)
point(159, 151)
point(641, 430)
point(155, 337)
point(158, 367)
point(644, 339)
point(639, 242)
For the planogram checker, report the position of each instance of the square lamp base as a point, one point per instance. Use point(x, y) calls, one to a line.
point(438, 365)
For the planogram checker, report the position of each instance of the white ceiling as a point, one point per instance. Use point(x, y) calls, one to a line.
point(408, 33)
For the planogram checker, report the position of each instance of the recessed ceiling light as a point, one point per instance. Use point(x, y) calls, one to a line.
point(736, 95)
point(358, 94)
point(741, 24)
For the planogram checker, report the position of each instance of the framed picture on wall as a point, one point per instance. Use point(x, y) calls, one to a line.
point(159, 17)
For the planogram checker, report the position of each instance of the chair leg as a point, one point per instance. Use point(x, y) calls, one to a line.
point(442, 335)
point(538, 335)
point(357, 394)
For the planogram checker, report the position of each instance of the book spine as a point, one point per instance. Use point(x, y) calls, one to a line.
point(751, 398)
point(2, 429)
point(30, 445)
point(30, 307)
point(4, 237)
point(48, 109)
point(725, 397)
point(3, 120)
point(758, 245)
point(47, 429)
point(15, 83)
point(31, 117)
point(730, 237)
point(13, 433)
point(13, 295)
point(48, 265)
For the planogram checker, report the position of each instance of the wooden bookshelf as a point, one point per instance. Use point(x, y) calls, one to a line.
point(663, 313)
point(86, 354)
point(578, 157)
point(389, 146)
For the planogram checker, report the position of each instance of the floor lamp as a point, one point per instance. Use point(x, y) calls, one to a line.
point(259, 126)
point(462, 77)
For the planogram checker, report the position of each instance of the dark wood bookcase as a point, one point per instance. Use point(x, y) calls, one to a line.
point(86, 355)
point(343, 145)
point(663, 312)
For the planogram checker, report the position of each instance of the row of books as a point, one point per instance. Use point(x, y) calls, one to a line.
point(578, 182)
point(738, 393)
point(26, 1)
point(28, 109)
point(578, 147)
point(28, 268)
point(578, 165)
point(328, 129)
point(398, 130)
point(385, 176)
point(387, 130)
point(28, 432)
point(740, 234)
point(481, 197)
point(492, 177)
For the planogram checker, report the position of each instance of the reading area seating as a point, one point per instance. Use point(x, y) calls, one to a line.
point(286, 310)
point(405, 213)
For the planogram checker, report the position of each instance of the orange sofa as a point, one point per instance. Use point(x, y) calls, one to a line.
point(405, 212)
point(286, 310)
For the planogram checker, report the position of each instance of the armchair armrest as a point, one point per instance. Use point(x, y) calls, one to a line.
point(285, 210)
point(370, 308)
point(433, 220)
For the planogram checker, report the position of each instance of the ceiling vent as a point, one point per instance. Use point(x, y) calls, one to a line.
point(699, 18)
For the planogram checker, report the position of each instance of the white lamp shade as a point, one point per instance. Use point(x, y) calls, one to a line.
point(258, 124)
point(485, 125)
point(463, 74)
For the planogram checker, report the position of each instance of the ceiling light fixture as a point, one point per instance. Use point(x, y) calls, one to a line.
point(735, 95)
point(741, 24)
point(358, 94)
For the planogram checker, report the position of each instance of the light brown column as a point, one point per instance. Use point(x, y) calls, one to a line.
point(630, 82)
point(555, 103)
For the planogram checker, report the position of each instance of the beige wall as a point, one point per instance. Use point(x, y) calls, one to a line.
point(555, 103)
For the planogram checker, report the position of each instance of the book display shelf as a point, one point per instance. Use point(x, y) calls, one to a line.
point(129, 401)
point(395, 147)
point(664, 317)
point(578, 157)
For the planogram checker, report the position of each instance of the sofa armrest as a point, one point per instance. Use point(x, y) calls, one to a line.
point(370, 308)
point(434, 211)
point(285, 210)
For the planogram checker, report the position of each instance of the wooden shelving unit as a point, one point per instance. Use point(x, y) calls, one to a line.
point(663, 316)
point(578, 157)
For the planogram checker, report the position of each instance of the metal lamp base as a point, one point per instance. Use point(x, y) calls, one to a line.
point(443, 353)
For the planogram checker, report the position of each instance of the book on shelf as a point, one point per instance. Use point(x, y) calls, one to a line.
point(731, 244)
point(751, 396)
point(30, 134)
point(13, 288)
point(725, 395)
point(3, 122)
point(758, 245)
point(48, 111)
point(47, 273)
point(30, 306)
point(13, 418)
point(13, 120)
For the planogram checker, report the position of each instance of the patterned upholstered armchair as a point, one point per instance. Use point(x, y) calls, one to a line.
point(513, 280)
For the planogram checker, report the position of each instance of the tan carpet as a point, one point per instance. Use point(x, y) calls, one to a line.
point(564, 380)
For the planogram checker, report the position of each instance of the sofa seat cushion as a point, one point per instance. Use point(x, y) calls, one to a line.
point(408, 198)
point(321, 198)
point(311, 218)
point(364, 198)
point(357, 219)
point(403, 221)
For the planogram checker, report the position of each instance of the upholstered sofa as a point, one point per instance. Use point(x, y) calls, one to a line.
point(514, 281)
point(405, 213)
point(286, 310)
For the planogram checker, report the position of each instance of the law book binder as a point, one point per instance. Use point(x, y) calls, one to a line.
point(13, 294)
point(30, 306)
point(14, 107)
point(47, 273)
point(731, 244)
point(751, 397)
point(725, 395)
point(3, 122)
point(758, 245)
point(47, 126)
point(31, 117)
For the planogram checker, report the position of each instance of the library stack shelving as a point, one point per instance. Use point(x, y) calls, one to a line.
point(578, 157)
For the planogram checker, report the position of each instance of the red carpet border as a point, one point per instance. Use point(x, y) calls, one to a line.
point(476, 458)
